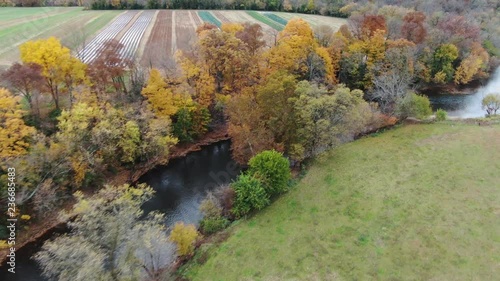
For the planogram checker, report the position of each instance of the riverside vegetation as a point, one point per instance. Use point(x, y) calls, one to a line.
point(69, 126)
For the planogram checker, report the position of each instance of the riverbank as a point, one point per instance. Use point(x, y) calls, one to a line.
point(38, 230)
point(409, 200)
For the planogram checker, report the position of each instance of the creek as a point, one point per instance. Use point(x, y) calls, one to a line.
point(180, 187)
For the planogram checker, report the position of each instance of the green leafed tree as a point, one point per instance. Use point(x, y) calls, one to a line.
point(272, 169)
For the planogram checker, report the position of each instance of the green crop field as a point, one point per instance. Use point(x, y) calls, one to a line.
point(420, 202)
point(260, 17)
point(206, 16)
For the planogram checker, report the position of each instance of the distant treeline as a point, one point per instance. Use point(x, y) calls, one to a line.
point(322, 7)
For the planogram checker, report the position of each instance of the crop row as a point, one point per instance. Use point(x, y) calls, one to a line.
point(276, 18)
point(91, 50)
point(133, 35)
point(208, 17)
point(260, 17)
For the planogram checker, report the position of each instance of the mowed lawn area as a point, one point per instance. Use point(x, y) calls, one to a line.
point(419, 202)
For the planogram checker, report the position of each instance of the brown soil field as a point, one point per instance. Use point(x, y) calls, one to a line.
point(159, 44)
point(185, 30)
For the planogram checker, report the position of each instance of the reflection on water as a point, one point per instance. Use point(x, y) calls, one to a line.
point(182, 185)
point(467, 106)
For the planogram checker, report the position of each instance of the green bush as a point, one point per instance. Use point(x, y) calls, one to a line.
point(441, 115)
point(414, 105)
point(250, 195)
point(210, 225)
point(272, 169)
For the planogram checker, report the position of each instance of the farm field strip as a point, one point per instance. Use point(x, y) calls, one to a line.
point(206, 16)
point(276, 18)
point(159, 44)
point(221, 17)
point(73, 32)
point(7, 22)
point(315, 20)
point(196, 18)
point(91, 51)
point(15, 35)
point(185, 30)
point(243, 17)
point(265, 20)
point(134, 34)
point(8, 14)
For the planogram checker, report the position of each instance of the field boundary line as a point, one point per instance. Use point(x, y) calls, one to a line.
point(145, 37)
point(173, 45)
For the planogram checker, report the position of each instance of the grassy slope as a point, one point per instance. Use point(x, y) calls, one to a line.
point(421, 202)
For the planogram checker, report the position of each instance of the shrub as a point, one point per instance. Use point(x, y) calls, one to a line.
point(210, 225)
point(184, 236)
point(210, 206)
point(441, 115)
point(415, 106)
point(250, 195)
point(272, 169)
point(225, 197)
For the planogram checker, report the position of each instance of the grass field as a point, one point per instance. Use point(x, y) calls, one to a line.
point(420, 202)
point(23, 24)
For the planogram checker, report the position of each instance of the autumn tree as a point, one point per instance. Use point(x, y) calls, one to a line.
point(298, 52)
point(226, 59)
point(14, 134)
point(277, 113)
point(184, 236)
point(413, 28)
point(252, 35)
point(371, 24)
point(474, 64)
point(247, 127)
point(110, 239)
point(108, 69)
point(442, 64)
point(26, 80)
point(324, 120)
point(394, 76)
point(59, 68)
point(161, 98)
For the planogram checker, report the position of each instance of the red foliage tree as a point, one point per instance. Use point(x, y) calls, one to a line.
point(413, 28)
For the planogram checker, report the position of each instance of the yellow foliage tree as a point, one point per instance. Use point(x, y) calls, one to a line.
point(13, 131)
point(472, 64)
point(199, 79)
point(373, 47)
point(162, 100)
point(232, 27)
point(184, 236)
point(59, 68)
